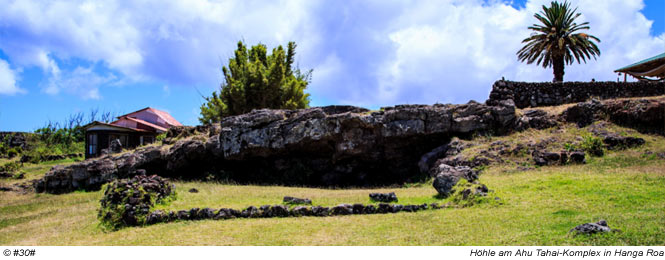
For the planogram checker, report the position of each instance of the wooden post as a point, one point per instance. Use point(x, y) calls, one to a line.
point(624, 76)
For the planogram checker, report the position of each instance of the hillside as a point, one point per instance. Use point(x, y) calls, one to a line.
point(538, 205)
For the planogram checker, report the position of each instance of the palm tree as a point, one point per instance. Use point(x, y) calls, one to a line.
point(557, 41)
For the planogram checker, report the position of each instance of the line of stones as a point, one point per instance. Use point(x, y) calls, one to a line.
point(268, 211)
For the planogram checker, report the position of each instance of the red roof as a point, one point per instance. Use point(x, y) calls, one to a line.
point(146, 123)
point(162, 114)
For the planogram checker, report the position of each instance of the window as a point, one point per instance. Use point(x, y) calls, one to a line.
point(92, 143)
point(146, 139)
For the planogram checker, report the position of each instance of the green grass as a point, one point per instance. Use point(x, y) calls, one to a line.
point(539, 207)
point(36, 171)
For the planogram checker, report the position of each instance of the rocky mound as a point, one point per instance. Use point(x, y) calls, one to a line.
point(127, 202)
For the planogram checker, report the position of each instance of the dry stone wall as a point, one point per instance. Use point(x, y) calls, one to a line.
point(527, 94)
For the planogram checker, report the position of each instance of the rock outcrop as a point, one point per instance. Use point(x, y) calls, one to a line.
point(341, 145)
point(347, 145)
point(91, 174)
point(646, 115)
point(322, 146)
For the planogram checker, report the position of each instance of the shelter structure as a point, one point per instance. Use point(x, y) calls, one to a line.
point(134, 129)
point(651, 69)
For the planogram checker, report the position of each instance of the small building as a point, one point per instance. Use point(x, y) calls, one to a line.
point(651, 69)
point(134, 129)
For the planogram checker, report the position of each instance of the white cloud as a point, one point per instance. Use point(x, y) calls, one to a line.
point(364, 53)
point(82, 82)
point(175, 41)
point(453, 51)
point(8, 80)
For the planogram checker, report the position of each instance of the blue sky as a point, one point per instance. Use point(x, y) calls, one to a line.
point(62, 57)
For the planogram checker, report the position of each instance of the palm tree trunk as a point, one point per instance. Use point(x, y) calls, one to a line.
point(558, 68)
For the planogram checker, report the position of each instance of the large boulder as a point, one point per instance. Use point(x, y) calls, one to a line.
point(446, 176)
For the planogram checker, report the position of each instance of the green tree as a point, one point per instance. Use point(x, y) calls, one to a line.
point(254, 80)
point(556, 41)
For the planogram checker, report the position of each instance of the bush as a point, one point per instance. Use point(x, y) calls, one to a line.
point(570, 147)
point(10, 167)
point(254, 80)
point(592, 145)
point(160, 137)
point(13, 152)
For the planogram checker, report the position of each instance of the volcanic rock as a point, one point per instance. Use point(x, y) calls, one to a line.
point(383, 197)
point(293, 200)
point(322, 146)
point(446, 176)
point(592, 228)
point(342, 209)
point(301, 211)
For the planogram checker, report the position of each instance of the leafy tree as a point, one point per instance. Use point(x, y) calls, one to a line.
point(254, 80)
point(557, 41)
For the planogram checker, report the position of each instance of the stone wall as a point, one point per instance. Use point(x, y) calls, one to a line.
point(526, 94)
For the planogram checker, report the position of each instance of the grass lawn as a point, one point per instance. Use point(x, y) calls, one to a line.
point(539, 207)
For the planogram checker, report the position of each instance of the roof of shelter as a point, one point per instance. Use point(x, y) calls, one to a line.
point(651, 67)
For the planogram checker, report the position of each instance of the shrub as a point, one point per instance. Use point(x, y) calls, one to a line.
point(13, 152)
point(570, 147)
point(10, 167)
point(160, 137)
point(592, 145)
